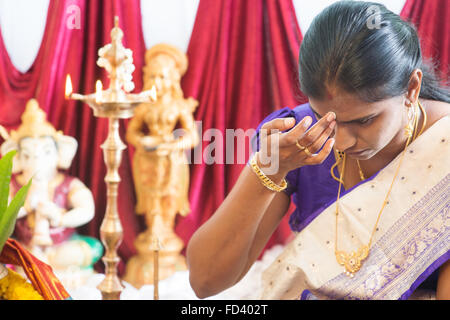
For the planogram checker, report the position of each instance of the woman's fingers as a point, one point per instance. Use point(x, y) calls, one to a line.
point(277, 125)
point(291, 137)
point(316, 131)
point(322, 155)
point(286, 138)
point(316, 145)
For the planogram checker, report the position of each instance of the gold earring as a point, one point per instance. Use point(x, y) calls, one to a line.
point(409, 128)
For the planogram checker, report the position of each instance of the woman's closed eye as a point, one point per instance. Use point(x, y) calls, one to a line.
point(365, 121)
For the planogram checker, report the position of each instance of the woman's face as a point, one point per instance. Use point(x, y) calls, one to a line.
point(364, 129)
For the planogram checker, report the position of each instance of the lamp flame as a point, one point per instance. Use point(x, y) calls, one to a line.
point(98, 91)
point(153, 93)
point(69, 88)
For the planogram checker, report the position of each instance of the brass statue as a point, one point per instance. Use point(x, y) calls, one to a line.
point(160, 167)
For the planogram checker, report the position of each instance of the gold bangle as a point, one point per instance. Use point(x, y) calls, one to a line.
point(265, 180)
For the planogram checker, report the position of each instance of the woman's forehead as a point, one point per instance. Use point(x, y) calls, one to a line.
point(348, 107)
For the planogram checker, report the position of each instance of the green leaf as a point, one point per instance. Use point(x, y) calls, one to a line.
point(5, 179)
point(8, 219)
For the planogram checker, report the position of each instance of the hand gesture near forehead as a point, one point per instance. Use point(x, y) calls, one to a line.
point(285, 146)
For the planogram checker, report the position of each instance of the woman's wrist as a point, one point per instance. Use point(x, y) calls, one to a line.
point(271, 181)
point(276, 175)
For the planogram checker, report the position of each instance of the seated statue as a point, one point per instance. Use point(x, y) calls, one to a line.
point(56, 203)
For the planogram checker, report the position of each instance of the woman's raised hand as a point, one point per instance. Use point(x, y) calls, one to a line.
point(281, 152)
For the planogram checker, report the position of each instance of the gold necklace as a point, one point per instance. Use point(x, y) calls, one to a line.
point(361, 173)
point(352, 262)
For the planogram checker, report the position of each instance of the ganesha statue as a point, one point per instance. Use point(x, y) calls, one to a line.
point(57, 203)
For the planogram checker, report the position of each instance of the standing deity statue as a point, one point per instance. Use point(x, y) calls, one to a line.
point(57, 203)
point(160, 166)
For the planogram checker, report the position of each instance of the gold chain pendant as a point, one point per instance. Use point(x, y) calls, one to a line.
point(352, 262)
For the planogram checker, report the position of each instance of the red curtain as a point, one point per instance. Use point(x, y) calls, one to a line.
point(432, 20)
point(71, 50)
point(242, 66)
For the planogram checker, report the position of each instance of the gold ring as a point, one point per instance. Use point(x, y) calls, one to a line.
point(300, 146)
point(308, 153)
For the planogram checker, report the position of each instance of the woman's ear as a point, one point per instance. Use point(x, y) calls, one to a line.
point(8, 146)
point(414, 85)
point(67, 147)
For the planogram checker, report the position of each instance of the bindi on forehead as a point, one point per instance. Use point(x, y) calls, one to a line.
point(329, 95)
point(330, 92)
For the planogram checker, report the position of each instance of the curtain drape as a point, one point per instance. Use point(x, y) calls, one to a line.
point(432, 22)
point(243, 65)
point(68, 48)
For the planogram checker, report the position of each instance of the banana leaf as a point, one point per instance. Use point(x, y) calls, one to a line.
point(5, 179)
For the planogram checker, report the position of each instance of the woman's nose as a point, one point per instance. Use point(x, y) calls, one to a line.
point(344, 139)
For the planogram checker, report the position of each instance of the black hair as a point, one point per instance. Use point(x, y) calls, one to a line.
point(364, 48)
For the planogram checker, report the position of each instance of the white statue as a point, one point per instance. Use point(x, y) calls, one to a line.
point(56, 203)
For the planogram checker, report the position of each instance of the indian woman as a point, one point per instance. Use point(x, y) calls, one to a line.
point(365, 162)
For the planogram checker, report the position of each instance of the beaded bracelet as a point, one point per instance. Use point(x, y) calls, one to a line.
point(265, 180)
